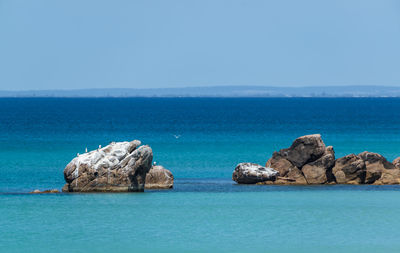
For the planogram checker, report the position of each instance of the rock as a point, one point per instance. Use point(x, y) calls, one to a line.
point(374, 158)
point(118, 167)
point(389, 177)
point(373, 165)
point(314, 174)
point(366, 168)
point(45, 191)
point(159, 178)
point(282, 165)
point(396, 162)
point(304, 149)
point(307, 161)
point(379, 170)
point(320, 171)
point(294, 176)
point(251, 173)
point(65, 188)
point(288, 173)
point(349, 169)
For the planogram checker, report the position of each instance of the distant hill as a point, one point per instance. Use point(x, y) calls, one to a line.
point(218, 91)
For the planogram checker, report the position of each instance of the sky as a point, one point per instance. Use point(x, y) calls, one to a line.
point(49, 44)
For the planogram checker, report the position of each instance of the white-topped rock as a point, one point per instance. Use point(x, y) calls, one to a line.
point(251, 173)
point(120, 166)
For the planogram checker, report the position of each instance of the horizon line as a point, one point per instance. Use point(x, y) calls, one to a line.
point(213, 86)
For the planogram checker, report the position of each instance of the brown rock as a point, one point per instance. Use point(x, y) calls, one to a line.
point(65, 188)
point(315, 174)
point(349, 169)
point(294, 176)
point(159, 178)
point(379, 170)
point(282, 165)
point(304, 150)
point(288, 173)
point(320, 171)
point(307, 161)
point(396, 162)
point(389, 177)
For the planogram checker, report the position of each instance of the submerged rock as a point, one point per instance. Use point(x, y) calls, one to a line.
point(37, 191)
point(251, 173)
point(118, 167)
point(159, 178)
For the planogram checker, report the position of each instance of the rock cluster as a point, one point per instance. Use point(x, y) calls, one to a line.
point(366, 168)
point(118, 167)
point(309, 161)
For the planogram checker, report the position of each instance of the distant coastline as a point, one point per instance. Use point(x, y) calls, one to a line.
point(217, 91)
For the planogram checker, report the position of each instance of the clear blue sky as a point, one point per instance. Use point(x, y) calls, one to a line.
point(177, 43)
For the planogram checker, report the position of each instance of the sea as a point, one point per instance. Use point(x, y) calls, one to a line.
point(200, 140)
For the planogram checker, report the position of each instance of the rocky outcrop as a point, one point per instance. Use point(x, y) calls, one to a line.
point(251, 173)
point(309, 161)
point(159, 178)
point(118, 167)
point(306, 161)
point(366, 168)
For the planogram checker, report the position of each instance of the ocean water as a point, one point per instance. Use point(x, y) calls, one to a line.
point(206, 211)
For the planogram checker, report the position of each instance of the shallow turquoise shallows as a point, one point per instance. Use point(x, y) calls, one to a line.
point(200, 140)
point(266, 219)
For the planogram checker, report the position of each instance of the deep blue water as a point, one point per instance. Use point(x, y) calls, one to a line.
point(205, 211)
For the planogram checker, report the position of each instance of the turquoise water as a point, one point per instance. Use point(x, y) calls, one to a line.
point(206, 211)
point(274, 219)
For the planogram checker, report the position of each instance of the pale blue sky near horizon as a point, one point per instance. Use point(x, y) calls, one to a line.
point(47, 44)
